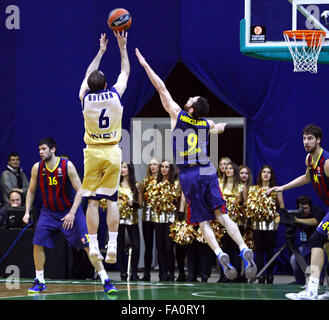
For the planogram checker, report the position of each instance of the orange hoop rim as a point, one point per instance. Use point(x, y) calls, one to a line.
point(308, 35)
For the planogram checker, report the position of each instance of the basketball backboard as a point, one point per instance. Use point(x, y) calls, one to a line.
point(261, 30)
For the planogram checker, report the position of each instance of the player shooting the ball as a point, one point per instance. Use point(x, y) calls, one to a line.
point(102, 111)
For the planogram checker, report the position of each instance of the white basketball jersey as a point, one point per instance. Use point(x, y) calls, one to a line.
point(102, 112)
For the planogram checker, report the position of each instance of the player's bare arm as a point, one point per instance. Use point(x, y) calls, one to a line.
point(298, 182)
point(216, 128)
point(94, 65)
point(168, 103)
point(121, 84)
point(326, 168)
point(76, 183)
point(31, 192)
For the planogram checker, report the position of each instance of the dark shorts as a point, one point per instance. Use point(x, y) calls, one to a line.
point(203, 195)
point(49, 223)
point(323, 227)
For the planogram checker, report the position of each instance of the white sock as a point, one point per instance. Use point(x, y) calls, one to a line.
point(218, 251)
point(93, 240)
point(113, 237)
point(40, 275)
point(313, 285)
point(103, 275)
point(243, 246)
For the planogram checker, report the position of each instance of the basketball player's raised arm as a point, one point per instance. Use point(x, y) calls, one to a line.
point(216, 128)
point(31, 192)
point(300, 181)
point(168, 103)
point(121, 84)
point(94, 65)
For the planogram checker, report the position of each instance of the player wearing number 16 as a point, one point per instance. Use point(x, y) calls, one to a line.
point(198, 178)
point(60, 188)
point(102, 111)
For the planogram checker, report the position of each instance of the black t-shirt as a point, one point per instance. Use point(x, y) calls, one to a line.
point(316, 212)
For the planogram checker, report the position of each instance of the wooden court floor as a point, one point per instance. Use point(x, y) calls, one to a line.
point(169, 291)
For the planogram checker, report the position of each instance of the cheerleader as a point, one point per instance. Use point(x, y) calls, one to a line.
point(129, 201)
point(231, 190)
point(147, 189)
point(245, 182)
point(265, 219)
point(222, 167)
point(164, 209)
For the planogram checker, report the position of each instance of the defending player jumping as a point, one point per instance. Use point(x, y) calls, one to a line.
point(198, 178)
point(102, 111)
point(61, 191)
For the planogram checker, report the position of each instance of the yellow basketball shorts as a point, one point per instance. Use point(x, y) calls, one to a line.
point(102, 169)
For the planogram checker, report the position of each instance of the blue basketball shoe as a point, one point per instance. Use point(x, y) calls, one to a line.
point(250, 268)
point(38, 287)
point(109, 287)
point(229, 271)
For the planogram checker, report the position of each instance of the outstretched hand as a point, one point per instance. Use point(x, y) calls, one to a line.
point(121, 37)
point(103, 42)
point(141, 59)
point(221, 126)
point(276, 189)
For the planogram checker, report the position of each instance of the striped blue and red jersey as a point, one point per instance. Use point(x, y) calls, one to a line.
point(56, 188)
point(319, 179)
point(190, 140)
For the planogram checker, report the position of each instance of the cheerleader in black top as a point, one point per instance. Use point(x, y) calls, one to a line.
point(265, 219)
point(147, 189)
point(164, 209)
point(129, 201)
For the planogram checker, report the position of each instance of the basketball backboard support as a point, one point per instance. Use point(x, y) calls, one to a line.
point(261, 30)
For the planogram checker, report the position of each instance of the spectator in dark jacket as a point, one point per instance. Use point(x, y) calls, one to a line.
point(13, 178)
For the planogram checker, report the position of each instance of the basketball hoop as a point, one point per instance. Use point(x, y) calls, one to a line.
point(305, 47)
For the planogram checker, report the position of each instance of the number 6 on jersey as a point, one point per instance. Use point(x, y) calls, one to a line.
point(103, 121)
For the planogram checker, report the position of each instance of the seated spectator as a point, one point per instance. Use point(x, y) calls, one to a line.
point(306, 223)
point(15, 200)
point(13, 178)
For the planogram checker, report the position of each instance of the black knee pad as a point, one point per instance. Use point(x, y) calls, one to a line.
point(317, 240)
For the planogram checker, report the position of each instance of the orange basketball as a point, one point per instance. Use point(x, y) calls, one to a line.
point(119, 19)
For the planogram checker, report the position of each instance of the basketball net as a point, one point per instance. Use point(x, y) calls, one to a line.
point(304, 47)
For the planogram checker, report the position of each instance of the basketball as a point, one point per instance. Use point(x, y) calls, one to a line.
point(119, 19)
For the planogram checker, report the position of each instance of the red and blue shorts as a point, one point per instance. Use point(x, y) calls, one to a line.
point(201, 189)
point(49, 223)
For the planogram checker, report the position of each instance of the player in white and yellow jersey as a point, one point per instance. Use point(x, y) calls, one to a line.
point(102, 111)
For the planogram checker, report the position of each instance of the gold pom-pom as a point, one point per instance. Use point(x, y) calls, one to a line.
point(103, 204)
point(149, 188)
point(200, 237)
point(164, 196)
point(260, 206)
point(181, 232)
point(234, 209)
point(124, 209)
point(248, 238)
